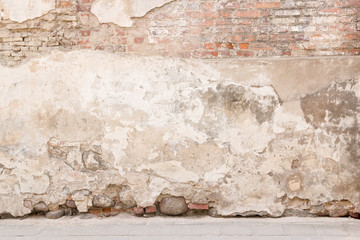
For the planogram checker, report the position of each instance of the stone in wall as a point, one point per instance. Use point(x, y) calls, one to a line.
point(120, 12)
point(249, 136)
point(22, 10)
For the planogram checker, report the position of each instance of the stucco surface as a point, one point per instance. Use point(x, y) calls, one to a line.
point(247, 136)
point(120, 12)
point(22, 10)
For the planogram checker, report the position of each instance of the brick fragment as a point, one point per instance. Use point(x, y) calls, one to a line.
point(244, 46)
point(65, 4)
point(85, 33)
point(210, 54)
point(247, 13)
point(198, 206)
point(352, 36)
point(224, 45)
point(138, 40)
point(268, 5)
point(138, 210)
point(96, 211)
point(151, 209)
point(210, 14)
point(348, 3)
point(209, 46)
point(225, 13)
point(83, 8)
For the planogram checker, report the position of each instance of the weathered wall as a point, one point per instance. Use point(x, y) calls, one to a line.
point(183, 28)
point(99, 117)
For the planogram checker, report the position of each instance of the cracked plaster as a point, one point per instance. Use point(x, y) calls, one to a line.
point(188, 128)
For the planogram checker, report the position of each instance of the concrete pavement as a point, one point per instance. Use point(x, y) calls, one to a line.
point(204, 228)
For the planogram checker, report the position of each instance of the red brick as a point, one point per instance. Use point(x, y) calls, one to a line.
point(222, 21)
point(344, 27)
point(352, 36)
point(286, 53)
point(348, 3)
point(268, 5)
point(120, 32)
point(265, 13)
point(151, 209)
point(225, 13)
point(115, 210)
point(85, 33)
point(210, 54)
point(83, 42)
point(355, 51)
point(247, 13)
point(106, 210)
point(129, 210)
point(244, 46)
point(243, 38)
point(99, 47)
point(198, 206)
point(330, 10)
point(64, 4)
point(209, 46)
point(138, 210)
point(138, 40)
point(83, 8)
point(210, 14)
point(224, 45)
point(282, 37)
point(122, 40)
point(96, 211)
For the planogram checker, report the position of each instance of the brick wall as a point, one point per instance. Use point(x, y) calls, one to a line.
point(195, 28)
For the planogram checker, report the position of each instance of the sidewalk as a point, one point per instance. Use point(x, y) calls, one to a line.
point(204, 228)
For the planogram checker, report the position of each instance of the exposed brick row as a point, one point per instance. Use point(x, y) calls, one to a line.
point(195, 28)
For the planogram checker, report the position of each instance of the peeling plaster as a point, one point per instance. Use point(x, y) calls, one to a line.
point(156, 126)
point(22, 10)
point(120, 12)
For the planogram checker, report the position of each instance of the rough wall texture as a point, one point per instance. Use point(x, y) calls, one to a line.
point(188, 28)
point(131, 124)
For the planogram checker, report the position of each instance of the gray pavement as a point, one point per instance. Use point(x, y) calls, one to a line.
point(128, 227)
